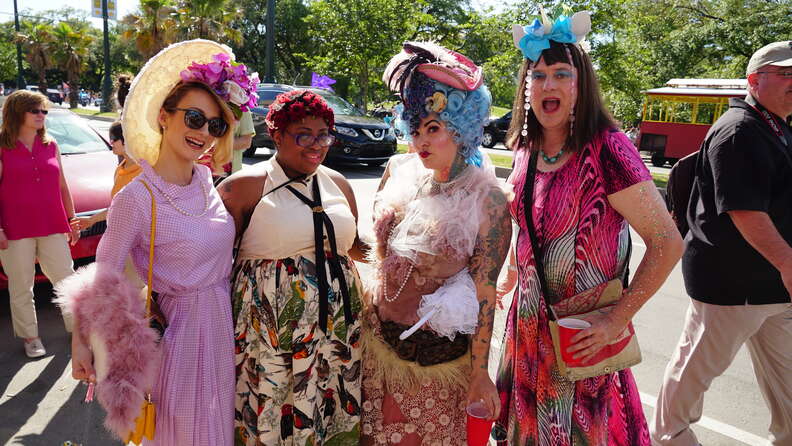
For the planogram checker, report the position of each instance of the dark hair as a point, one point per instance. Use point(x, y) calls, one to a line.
point(124, 81)
point(16, 105)
point(591, 116)
point(116, 131)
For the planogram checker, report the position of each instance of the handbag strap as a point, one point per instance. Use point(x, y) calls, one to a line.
point(528, 190)
point(152, 234)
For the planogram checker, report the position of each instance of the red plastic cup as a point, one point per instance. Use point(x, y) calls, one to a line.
point(479, 424)
point(567, 328)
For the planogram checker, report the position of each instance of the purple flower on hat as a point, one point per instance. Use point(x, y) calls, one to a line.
point(228, 79)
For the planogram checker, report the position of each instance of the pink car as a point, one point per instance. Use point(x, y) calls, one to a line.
point(89, 166)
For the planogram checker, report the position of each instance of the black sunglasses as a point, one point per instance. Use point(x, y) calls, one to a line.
point(195, 119)
point(36, 111)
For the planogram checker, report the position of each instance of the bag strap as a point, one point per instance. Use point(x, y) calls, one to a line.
point(152, 234)
point(528, 190)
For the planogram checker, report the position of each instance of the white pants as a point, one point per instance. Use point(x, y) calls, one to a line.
point(712, 336)
point(19, 264)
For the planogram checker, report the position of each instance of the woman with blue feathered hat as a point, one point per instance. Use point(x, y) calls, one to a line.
point(585, 185)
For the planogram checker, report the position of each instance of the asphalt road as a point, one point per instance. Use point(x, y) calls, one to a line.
point(41, 405)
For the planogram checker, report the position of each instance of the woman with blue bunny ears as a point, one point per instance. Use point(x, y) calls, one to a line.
point(443, 231)
point(581, 186)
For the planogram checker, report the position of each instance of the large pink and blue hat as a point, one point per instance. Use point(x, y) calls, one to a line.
point(437, 63)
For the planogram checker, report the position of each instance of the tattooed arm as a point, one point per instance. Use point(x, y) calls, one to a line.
point(491, 249)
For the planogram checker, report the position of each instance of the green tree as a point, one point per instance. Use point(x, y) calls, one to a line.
point(71, 55)
point(8, 66)
point(292, 38)
point(152, 28)
point(37, 43)
point(359, 39)
point(209, 19)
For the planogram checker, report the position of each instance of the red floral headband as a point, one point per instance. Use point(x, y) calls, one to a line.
point(296, 105)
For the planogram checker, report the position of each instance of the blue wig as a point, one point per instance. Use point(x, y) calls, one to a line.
point(465, 112)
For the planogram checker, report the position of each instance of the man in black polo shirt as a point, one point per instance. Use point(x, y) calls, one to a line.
point(738, 256)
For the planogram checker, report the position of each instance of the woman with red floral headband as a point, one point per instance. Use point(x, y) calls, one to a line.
point(296, 291)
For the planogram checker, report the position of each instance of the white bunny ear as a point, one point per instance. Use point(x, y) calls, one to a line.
point(517, 34)
point(580, 24)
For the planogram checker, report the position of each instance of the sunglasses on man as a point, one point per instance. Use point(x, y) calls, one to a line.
point(195, 119)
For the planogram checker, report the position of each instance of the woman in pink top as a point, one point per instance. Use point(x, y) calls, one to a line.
point(172, 116)
point(35, 208)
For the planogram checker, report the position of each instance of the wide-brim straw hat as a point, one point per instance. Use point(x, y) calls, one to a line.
point(151, 86)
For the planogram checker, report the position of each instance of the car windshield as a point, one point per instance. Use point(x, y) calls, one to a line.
point(339, 105)
point(72, 134)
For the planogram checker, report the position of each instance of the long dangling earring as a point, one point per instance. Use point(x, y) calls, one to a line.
point(527, 107)
point(571, 122)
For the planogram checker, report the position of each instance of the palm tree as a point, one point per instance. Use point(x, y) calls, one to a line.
point(37, 42)
point(209, 19)
point(153, 28)
point(71, 55)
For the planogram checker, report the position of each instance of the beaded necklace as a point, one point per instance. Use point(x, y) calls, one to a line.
point(182, 211)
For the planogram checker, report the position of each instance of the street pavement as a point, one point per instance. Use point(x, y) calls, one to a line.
point(40, 404)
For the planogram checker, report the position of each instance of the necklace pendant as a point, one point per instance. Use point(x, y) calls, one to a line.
point(551, 159)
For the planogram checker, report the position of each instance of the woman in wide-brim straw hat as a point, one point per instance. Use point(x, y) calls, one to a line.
point(442, 230)
point(181, 103)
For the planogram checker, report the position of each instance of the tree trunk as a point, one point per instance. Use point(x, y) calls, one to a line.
point(74, 88)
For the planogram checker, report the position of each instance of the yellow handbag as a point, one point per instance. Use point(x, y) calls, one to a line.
point(145, 423)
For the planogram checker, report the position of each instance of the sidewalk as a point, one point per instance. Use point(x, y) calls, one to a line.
point(40, 403)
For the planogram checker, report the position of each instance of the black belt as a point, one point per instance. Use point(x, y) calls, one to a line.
point(423, 347)
point(321, 221)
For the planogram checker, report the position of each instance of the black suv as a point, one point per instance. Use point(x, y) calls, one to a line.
point(495, 130)
point(359, 138)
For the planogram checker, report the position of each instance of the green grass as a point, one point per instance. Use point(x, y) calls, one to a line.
point(94, 113)
point(497, 160)
point(660, 179)
point(499, 111)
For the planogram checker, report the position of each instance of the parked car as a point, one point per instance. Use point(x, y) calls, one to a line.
point(359, 138)
point(89, 165)
point(495, 130)
point(55, 96)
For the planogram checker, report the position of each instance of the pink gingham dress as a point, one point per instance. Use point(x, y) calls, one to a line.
point(194, 394)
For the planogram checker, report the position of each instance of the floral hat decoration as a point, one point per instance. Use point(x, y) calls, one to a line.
point(197, 60)
point(296, 105)
point(229, 79)
point(536, 37)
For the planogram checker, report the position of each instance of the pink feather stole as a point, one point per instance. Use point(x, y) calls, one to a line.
point(110, 315)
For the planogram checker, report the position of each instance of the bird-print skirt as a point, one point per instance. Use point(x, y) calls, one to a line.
point(295, 384)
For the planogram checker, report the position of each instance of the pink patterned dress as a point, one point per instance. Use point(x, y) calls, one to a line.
point(584, 243)
point(194, 393)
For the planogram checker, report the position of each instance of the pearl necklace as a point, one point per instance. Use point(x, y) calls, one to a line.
point(406, 278)
point(182, 211)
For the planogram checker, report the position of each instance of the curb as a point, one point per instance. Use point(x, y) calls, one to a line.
point(98, 118)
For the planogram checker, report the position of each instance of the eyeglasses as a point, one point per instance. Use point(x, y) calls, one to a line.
point(36, 111)
point(307, 140)
point(784, 74)
point(117, 138)
point(195, 119)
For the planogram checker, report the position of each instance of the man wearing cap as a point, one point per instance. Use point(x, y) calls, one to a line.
point(738, 259)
